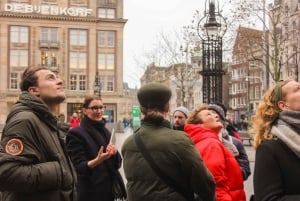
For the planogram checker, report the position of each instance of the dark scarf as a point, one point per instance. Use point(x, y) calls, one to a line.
point(101, 136)
point(180, 128)
point(30, 102)
point(287, 128)
point(97, 130)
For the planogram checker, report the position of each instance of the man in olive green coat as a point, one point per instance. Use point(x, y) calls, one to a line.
point(171, 150)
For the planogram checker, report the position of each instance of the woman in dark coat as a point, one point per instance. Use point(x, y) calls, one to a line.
point(96, 160)
point(277, 138)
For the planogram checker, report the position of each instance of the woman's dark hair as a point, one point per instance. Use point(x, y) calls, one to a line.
point(230, 128)
point(29, 78)
point(88, 99)
point(153, 115)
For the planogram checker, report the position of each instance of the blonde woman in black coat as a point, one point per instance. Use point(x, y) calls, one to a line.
point(96, 160)
point(277, 139)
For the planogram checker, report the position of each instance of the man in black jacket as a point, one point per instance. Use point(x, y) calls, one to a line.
point(34, 164)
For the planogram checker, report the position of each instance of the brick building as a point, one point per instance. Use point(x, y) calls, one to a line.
point(245, 85)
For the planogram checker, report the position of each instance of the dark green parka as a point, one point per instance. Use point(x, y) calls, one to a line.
point(34, 165)
point(174, 152)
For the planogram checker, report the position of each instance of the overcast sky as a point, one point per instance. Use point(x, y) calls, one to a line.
point(146, 20)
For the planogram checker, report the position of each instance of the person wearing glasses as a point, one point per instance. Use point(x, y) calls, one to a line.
point(95, 159)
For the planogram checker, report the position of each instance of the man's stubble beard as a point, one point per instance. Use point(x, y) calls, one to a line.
point(54, 100)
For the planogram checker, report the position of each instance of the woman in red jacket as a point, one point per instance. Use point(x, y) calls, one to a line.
point(203, 127)
point(74, 120)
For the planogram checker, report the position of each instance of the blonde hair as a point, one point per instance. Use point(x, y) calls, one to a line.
point(266, 113)
point(193, 118)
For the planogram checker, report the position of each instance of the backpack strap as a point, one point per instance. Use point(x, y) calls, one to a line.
point(168, 180)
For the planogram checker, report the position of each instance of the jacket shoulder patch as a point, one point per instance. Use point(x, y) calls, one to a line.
point(14, 147)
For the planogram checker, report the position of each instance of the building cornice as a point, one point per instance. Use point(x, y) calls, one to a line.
point(60, 18)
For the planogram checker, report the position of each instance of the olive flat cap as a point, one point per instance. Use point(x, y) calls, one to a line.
point(154, 95)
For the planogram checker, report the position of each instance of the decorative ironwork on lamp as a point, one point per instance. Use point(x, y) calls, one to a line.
point(211, 29)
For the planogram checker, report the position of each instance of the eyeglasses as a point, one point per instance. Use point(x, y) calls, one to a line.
point(96, 108)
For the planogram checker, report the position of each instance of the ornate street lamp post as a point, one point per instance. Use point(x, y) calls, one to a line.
point(97, 85)
point(211, 29)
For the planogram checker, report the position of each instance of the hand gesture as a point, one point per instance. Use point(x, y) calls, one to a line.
point(111, 148)
point(102, 156)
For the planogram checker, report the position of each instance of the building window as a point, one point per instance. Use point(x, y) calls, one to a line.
point(107, 83)
point(48, 58)
point(234, 88)
point(251, 93)
point(19, 34)
point(18, 58)
point(234, 102)
point(106, 61)
point(230, 89)
point(106, 38)
point(78, 2)
point(78, 37)
point(106, 2)
point(110, 83)
point(73, 79)
point(82, 82)
point(106, 13)
point(13, 81)
point(77, 82)
point(20, 1)
point(257, 92)
point(78, 60)
point(49, 34)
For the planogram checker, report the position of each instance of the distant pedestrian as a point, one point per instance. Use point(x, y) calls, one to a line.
point(203, 126)
point(172, 151)
point(74, 120)
point(125, 122)
point(179, 117)
point(34, 165)
point(277, 138)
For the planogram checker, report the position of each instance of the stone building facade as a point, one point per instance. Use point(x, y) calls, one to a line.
point(78, 39)
point(182, 78)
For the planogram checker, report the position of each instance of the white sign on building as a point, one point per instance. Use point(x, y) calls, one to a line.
point(47, 9)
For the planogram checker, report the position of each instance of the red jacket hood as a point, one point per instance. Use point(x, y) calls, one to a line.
point(199, 133)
